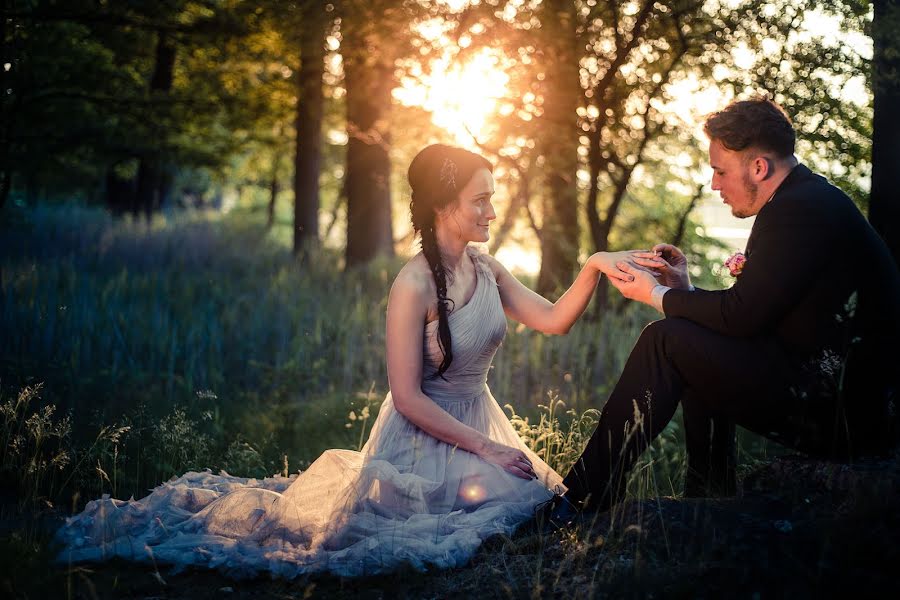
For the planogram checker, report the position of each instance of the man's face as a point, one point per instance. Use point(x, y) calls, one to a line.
point(733, 179)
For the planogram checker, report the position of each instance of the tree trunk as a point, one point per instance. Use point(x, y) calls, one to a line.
point(683, 219)
point(273, 194)
point(8, 109)
point(152, 180)
point(32, 188)
point(884, 200)
point(148, 183)
point(308, 155)
point(516, 204)
point(369, 78)
point(119, 193)
point(562, 91)
point(5, 185)
point(595, 225)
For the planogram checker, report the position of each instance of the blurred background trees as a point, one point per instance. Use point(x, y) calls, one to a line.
point(589, 110)
point(885, 203)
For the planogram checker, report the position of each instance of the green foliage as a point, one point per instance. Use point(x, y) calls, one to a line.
point(241, 457)
point(111, 317)
point(84, 100)
point(810, 74)
point(35, 445)
point(200, 343)
point(179, 446)
point(362, 414)
point(202, 335)
point(558, 443)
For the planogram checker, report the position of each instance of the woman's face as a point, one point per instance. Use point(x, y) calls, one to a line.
point(469, 218)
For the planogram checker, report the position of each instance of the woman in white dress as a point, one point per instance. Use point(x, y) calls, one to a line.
point(442, 469)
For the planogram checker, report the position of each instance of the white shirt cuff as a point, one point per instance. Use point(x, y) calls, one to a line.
point(656, 297)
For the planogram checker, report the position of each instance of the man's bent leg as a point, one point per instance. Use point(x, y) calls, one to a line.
point(641, 404)
point(671, 358)
point(710, 445)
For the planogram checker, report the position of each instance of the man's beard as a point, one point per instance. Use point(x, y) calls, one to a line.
point(752, 191)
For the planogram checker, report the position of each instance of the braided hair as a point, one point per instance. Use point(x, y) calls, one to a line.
point(436, 176)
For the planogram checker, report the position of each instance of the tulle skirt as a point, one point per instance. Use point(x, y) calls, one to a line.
point(406, 499)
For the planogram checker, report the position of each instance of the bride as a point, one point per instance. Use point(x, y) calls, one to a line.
point(442, 469)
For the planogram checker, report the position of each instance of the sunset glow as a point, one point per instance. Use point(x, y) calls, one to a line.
point(462, 98)
point(465, 93)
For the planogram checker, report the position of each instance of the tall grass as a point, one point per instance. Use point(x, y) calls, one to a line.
point(204, 343)
point(129, 354)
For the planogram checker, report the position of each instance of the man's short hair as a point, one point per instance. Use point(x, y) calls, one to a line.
point(757, 123)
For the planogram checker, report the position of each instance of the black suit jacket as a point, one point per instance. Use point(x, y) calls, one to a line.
point(809, 250)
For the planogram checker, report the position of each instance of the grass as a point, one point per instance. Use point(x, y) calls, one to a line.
point(133, 353)
point(128, 325)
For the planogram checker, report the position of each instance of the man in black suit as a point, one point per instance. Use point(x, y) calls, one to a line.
point(794, 350)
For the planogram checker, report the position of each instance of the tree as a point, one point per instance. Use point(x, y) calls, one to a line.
point(307, 160)
point(61, 79)
point(153, 176)
point(884, 203)
point(374, 36)
point(807, 74)
point(119, 93)
point(559, 144)
point(596, 74)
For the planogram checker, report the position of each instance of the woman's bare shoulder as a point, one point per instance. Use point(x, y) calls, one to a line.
point(415, 278)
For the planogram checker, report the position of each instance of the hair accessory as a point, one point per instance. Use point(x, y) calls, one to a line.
point(448, 174)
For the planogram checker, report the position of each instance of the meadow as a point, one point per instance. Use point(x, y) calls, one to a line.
point(133, 352)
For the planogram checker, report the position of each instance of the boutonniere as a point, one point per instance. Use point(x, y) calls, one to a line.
point(735, 263)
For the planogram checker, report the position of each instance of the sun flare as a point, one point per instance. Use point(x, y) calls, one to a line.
point(461, 98)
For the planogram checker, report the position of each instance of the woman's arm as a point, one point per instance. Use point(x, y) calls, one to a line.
point(406, 313)
point(530, 308)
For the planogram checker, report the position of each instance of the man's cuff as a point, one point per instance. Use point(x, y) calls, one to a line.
point(656, 297)
point(657, 293)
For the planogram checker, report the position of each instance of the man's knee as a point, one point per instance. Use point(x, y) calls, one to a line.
point(665, 330)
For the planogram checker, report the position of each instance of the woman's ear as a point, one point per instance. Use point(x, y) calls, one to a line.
point(447, 211)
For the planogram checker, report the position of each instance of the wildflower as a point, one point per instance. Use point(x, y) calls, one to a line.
point(735, 263)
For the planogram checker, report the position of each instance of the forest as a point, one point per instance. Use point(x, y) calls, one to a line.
point(203, 204)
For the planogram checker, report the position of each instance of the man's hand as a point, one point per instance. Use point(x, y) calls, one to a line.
point(640, 288)
point(607, 262)
point(672, 268)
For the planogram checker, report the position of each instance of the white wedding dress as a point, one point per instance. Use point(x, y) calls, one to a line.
point(406, 498)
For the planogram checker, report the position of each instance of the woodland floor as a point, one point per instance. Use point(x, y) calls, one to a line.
point(797, 529)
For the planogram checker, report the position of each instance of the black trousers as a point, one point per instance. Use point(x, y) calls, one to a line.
point(720, 381)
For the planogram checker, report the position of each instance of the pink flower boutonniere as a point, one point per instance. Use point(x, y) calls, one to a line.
point(735, 263)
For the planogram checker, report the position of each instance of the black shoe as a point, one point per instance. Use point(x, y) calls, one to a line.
point(557, 513)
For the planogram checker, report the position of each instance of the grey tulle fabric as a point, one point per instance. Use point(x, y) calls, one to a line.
point(406, 498)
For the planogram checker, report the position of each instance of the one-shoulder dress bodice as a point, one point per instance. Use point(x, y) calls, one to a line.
point(477, 329)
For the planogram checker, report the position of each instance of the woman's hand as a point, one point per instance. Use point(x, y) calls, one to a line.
point(512, 460)
point(608, 263)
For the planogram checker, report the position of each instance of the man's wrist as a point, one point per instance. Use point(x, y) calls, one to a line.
point(656, 297)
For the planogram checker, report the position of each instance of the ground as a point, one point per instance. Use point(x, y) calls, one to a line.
point(798, 528)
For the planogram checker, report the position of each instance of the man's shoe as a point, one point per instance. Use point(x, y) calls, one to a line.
point(557, 513)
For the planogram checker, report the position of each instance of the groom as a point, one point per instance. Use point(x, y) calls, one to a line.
point(797, 350)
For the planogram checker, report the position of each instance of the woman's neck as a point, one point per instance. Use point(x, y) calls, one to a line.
point(452, 250)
